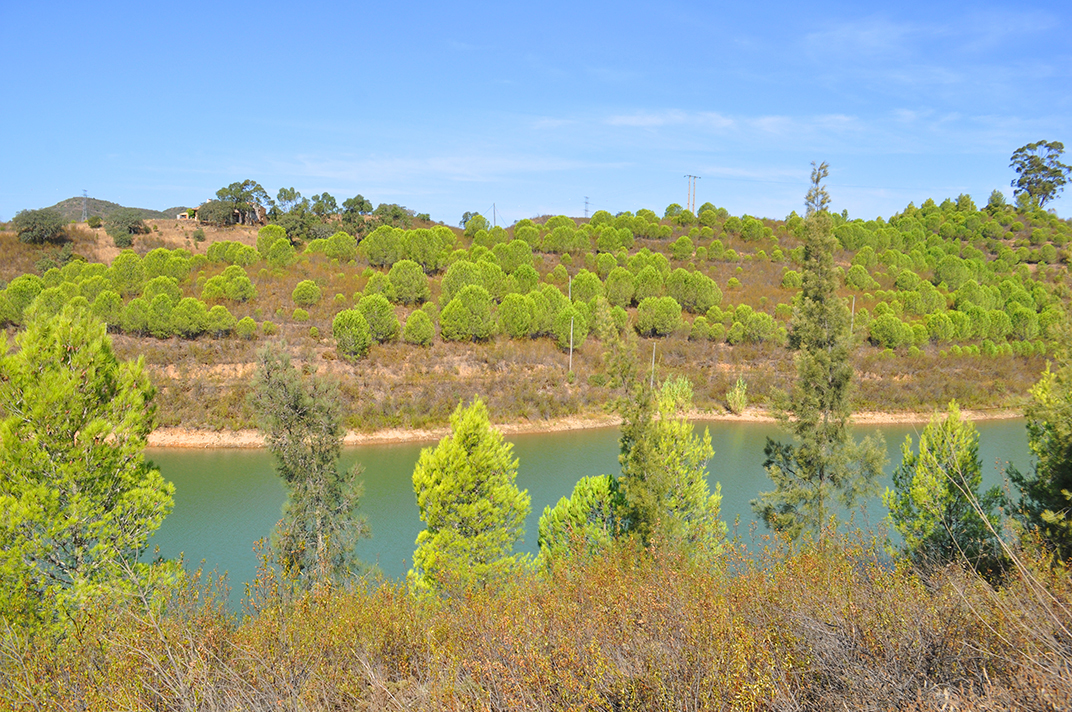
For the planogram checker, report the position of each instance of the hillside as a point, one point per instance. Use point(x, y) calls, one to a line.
point(950, 302)
point(71, 209)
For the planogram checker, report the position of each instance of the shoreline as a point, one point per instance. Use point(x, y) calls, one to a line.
point(171, 437)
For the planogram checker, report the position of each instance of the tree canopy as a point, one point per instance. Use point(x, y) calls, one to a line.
point(73, 413)
point(37, 226)
point(826, 463)
point(302, 426)
point(472, 509)
point(1041, 174)
point(245, 197)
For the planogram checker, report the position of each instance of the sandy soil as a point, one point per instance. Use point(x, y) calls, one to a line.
point(189, 438)
point(172, 234)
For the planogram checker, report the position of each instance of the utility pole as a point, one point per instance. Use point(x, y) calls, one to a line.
point(571, 344)
point(652, 385)
point(690, 204)
point(85, 200)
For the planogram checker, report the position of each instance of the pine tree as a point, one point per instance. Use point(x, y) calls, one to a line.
point(78, 500)
point(661, 496)
point(472, 509)
point(663, 483)
point(302, 427)
point(1046, 491)
point(825, 465)
point(935, 494)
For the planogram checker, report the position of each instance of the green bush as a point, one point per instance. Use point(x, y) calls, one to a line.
point(269, 328)
point(858, 278)
point(694, 291)
point(159, 316)
point(162, 285)
point(281, 253)
point(567, 319)
point(267, 236)
point(352, 335)
point(419, 329)
point(649, 283)
point(189, 318)
point(300, 315)
point(380, 316)
point(467, 317)
point(341, 246)
point(658, 316)
point(220, 322)
point(586, 286)
point(737, 397)
point(791, 280)
point(246, 328)
point(22, 291)
point(407, 283)
point(620, 287)
point(887, 331)
point(306, 294)
point(108, 308)
point(515, 313)
point(94, 221)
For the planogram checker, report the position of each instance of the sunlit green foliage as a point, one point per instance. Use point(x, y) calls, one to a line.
point(73, 413)
point(471, 507)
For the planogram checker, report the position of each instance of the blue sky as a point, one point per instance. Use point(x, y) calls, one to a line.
point(447, 108)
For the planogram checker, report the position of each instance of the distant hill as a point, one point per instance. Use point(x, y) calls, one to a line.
point(71, 209)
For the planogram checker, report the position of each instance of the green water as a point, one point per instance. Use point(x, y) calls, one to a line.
point(225, 500)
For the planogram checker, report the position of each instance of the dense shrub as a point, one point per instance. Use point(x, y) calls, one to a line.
point(352, 335)
point(694, 291)
point(108, 308)
point(380, 316)
point(570, 321)
point(306, 294)
point(407, 283)
point(22, 291)
point(649, 283)
point(246, 328)
point(188, 318)
point(162, 285)
point(467, 317)
point(220, 322)
point(887, 331)
point(459, 275)
point(419, 329)
point(586, 286)
point(341, 246)
point(515, 313)
point(658, 316)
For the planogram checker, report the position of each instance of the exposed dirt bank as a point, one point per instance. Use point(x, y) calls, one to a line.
point(190, 438)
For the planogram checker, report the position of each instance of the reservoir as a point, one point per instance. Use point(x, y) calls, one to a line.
point(227, 499)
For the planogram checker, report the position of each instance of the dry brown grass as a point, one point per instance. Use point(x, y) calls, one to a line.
point(828, 627)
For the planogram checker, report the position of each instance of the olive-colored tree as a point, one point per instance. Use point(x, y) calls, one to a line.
point(826, 464)
point(302, 426)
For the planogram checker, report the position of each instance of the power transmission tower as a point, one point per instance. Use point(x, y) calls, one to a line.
point(690, 204)
point(85, 200)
